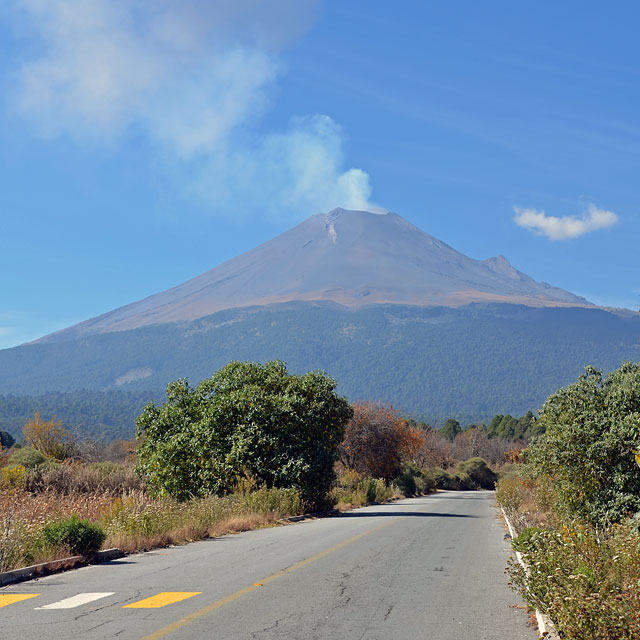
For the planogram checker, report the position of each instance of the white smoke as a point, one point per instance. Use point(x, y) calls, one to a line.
point(291, 171)
point(565, 227)
point(193, 76)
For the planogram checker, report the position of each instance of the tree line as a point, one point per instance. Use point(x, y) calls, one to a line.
point(258, 422)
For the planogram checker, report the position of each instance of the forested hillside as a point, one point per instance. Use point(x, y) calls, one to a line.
point(103, 415)
point(471, 363)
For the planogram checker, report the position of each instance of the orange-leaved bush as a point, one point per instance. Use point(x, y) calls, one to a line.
point(377, 440)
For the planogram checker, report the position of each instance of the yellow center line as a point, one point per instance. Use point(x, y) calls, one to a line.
point(10, 598)
point(161, 633)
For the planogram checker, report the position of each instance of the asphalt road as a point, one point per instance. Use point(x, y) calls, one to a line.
point(428, 567)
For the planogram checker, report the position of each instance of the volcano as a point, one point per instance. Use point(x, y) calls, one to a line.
point(352, 258)
point(393, 314)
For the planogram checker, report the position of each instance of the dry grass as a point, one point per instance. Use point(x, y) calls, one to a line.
point(24, 515)
point(132, 521)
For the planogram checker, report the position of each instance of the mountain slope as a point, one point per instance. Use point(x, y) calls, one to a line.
point(470, 362)
point(353, 258)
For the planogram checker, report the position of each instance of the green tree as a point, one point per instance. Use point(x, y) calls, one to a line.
point(6, 440)
point(510, 428)
point(247, 420)
point(592, 433)
point(450, 429)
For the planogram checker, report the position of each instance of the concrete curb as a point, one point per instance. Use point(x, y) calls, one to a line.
point(64, 564)
point(545, 626)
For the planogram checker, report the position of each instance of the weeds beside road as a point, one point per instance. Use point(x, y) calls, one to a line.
point(133, 520)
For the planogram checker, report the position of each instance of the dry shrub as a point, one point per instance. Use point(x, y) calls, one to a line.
point(436, 451)
point(527, 501)
point(475, 442)
point(586, 579)
point(4, 456)
point(118, 451)
point(377, 440)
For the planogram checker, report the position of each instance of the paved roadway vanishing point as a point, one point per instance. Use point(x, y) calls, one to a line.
point(421, 568)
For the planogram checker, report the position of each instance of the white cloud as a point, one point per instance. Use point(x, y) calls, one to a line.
point(565, 227)
point(195, 76)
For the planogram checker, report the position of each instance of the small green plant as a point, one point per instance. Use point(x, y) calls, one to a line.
point(80, 536)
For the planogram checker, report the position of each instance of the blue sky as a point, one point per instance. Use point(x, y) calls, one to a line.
point(142, 143)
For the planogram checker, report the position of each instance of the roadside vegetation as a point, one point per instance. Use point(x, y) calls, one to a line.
point(574, 501)
point(246, 448)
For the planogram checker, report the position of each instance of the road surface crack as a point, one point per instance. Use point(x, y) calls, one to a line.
point(271, 627)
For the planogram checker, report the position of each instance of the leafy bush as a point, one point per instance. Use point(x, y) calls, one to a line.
point(425, 482)
point(415, 481)
point(444, 479)
point(6, 440)
point(81, 537)
point(460, 481)
point(283, 430)
point(479, 473)
point(465, 483)
point(27, 457)
point(378, 490)
point(49, 437)
point(574, 502)
point(592, 429)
